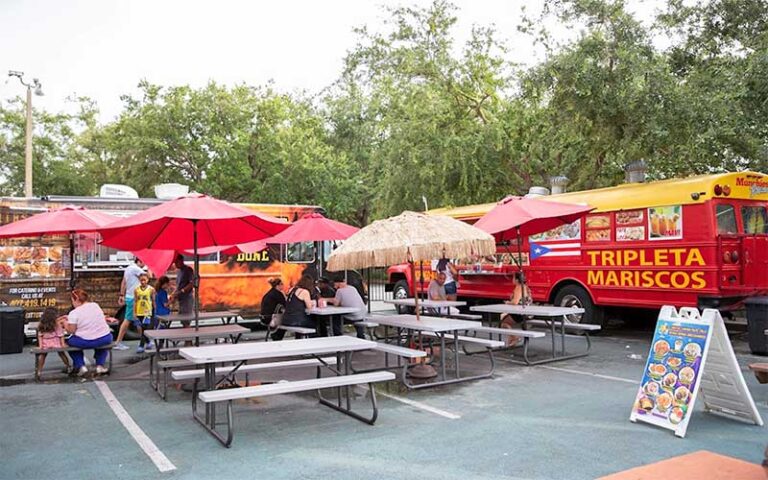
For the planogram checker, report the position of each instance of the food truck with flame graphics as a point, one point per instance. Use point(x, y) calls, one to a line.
point(696, 242)
point(34, 271)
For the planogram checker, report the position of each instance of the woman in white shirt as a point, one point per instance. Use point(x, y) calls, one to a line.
point(89, 329)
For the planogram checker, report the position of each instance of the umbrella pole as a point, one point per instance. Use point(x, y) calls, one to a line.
point(416, 289)
point(196, 279)
point(71, 261)
point(520, 255)
point(320, 246)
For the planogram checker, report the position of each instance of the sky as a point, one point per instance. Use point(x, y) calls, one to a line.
point(103, 48)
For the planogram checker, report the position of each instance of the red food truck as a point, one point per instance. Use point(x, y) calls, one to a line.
point(697, 242)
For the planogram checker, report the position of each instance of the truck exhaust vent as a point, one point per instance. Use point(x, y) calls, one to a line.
point(537, 192)
point(558, 183)
point(635, 171)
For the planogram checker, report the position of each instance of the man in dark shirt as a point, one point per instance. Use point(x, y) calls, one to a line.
point(326, 290)
point(184, 287)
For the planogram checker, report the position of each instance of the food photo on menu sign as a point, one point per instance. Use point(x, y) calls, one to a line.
point(672, 371)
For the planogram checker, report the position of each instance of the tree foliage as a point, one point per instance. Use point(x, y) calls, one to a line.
point(414, 116)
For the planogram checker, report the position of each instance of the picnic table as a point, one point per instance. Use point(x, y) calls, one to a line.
point(547, 316)
point(444, 330)
point(240, 354)
point(164, 337)
point(437, 305)
point(226, 317)
point(328, 313)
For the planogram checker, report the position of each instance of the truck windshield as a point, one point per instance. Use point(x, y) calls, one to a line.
point(726, 219)
point(755, 220)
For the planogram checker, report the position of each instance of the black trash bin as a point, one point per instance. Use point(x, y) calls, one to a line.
point(11, 330)
point(757, 324)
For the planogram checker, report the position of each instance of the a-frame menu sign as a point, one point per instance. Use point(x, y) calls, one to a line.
point(691, 355)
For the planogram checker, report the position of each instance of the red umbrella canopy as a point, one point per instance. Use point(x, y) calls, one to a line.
point(249, 247)
point(170, 225)
point(61, 221)
point(159, 261)
point(528, 216)
point(314, 227)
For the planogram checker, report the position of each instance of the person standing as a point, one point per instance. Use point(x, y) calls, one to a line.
point(127, 289)
point(143, 306)
point(162, 305)
point(451, 286)
point(184, 288)
point(89, 329)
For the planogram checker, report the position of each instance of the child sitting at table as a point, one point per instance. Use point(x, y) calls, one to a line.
point(50, 334)
point(521, 295)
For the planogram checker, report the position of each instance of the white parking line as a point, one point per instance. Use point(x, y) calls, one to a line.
point(598, 375)
point(420, 405)
point(158, 458)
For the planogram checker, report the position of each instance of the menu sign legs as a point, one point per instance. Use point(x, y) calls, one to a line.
point(691, 354)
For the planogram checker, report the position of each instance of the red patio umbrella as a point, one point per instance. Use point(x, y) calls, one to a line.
point(314, 227)
point(67, 220)
point(159, 261)
point(516, 217)
point(189, 223)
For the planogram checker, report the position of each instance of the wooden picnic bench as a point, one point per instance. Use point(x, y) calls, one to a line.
point(228, 371)
point(411, 329)
point(243, 354)
point(280, 388)
point(549, 316)
point(159, 363)
point(37, 351)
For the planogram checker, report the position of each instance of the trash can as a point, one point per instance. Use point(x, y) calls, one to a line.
point(757, 324)
point(11, 330)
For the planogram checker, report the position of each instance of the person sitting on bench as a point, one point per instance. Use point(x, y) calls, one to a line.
point(50, 334)
point(269, 302)
point(436, 291)
point(89, 329)
point(521, 295)
point(296, 305)
point(348, 296)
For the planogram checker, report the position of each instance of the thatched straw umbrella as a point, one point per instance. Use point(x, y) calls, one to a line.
point(410, 237)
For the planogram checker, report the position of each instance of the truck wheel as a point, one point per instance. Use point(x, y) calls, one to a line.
point(575, 296)
point(400, 291)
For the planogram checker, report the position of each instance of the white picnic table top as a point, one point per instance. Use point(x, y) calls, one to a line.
point(173, 317)
point(411, 302)
point(533, 310)
point(285, 348)
point(426, 323)
point(215, 331)
point(332, 310)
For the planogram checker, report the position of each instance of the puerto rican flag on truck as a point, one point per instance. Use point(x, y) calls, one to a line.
point(568, 249)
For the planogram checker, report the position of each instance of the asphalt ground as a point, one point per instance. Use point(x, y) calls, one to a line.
point(567, 420)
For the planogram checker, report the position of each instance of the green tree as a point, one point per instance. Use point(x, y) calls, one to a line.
point(59, 160)
point(419, 118)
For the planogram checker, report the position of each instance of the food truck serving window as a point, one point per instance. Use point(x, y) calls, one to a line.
point(303, 252)
point(755, 220)
point(726, 219)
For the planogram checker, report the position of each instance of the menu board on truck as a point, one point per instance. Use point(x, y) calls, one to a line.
point(682, 363)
